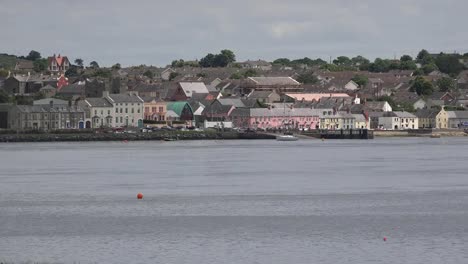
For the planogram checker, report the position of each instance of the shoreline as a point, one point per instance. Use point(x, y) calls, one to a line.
point(155, 136)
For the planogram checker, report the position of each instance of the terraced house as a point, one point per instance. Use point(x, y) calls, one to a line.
point(127, 109)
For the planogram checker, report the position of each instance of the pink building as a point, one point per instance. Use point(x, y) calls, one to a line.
point(278, 118)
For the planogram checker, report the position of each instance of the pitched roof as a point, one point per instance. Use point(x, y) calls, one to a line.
point(237, 102)
point(190, 88)
point(272, 81)
point(259, 94)
point(98, 102)
point(47, 101)
point(314, 96)
point(177, 107)
point(125, 98)
point(426, 113)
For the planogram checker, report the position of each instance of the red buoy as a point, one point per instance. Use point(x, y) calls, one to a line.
point(139, 196)
point(385, 239)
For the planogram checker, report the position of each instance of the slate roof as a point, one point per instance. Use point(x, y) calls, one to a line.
point(190, 88)
point(426, 113)
point(237, 102)
point(98, 102)
point(259, 94)
point(285, 112)
point(47, 101)
point(125, 98)
point(47, 108)
point(274, 81)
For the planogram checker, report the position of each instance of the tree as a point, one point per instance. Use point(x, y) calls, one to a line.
point(361, 62)
point(79, 62)
point(149, 74)
point(307, 78)
point(72, 71)
point(207, 61)
point(220, 60)
point(422, 86)
point(406, 58)
point(449, 64)
point(33, 55)
point(380, 65)
point(445, 84)
point(94, 65)
point(424, 57)
point(428, 68)
point(360, 80)
point(342, 60)
point(282, 61)
point(250, 73)
point(4, 97)
point(116, 66)
point(236, 76)
point(408, 65)
point(3, 72)
point(178, 63)
point(40, 65)
point(229, 55)
point(173, 75)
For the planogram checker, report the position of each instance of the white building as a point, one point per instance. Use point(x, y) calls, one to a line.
point(398, 121)
point(127, 109)
point(99, 112)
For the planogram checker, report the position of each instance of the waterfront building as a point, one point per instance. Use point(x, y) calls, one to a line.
point(99, 112)
point(154, 109)
point(127, 109)
point(398, 120)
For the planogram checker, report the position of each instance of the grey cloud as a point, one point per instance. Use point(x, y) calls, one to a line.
point(155, 32)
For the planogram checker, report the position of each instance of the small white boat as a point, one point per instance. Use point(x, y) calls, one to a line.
point(286, 138)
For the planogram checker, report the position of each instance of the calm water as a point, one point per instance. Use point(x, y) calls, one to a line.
point(236, 202)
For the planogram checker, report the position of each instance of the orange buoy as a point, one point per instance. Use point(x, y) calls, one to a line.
point(139, 196)
point(385, 239)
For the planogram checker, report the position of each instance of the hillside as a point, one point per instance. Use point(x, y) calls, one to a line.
point(7, 61)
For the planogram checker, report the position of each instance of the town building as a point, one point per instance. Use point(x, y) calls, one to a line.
point(99, 112)
point(127, 108)
point(154, 109)
point(398, 120)
point(58, 63)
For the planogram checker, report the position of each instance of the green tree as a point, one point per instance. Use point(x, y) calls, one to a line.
point(228, 55)
point(4, 97)
point(408, 65)
point(422, 86)
point(250, 73)
point(40, 65)
point(282, 61)
point(236, 76)
point(445, 84)
point(380, 65)
point(33, 55)
point(360, 80)
point(307, 78)
point(424, 57)
point(406, 58)
point(178, 63)
point(117, 66)
point(449, 64)
point(3, 72)
point(207, 61)
point(173, 75)
point(94, 65)
point(72, 71)
point(428, 68)
point(342, 60)
point(149, 74)
point(79, 62)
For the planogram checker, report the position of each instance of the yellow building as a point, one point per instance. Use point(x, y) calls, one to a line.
point(154, 109)
point(442, 119)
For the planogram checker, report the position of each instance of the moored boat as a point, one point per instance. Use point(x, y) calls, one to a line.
point(286, 138)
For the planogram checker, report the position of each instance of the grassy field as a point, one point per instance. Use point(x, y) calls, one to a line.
point(7, 61)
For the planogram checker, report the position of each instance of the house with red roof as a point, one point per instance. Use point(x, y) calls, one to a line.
point(58, 63)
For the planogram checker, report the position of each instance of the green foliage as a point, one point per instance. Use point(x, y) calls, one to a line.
point(282, 61)
point(424, 57)
point(250, 73)
point(72, 71)
point(4, 97)
point(105, 73)
point(360, 62)
point(236, 76)
point(3, 72)
point(449, 64)
point(8, 61)
point(201, 74)
point(219, 60)
point(178, 63)
point(149, 74)
point(428, 68)
point(40, 65)
point(407, 65)
point(379, 65)
point(23, 100)
point(422, 86)
point(93, 65)
point(33, 55)
point(117, 66)
point(342, 60)
point(445, 84)
point(360, 80)
point(79, 62)
point(307, 78)
point(173, 75)
point(406, 58)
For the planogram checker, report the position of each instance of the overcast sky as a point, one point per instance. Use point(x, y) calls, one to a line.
point(155, 32)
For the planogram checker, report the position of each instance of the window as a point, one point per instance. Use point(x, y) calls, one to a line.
point(147, 109)
point(153, 109)
point(102, 112)
point(133, 110)
point(108, 112)
point(121, 119)
point(95, 112)
point(116, 120)
point(161, 109)
point(126, 110)
point(121, 109)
